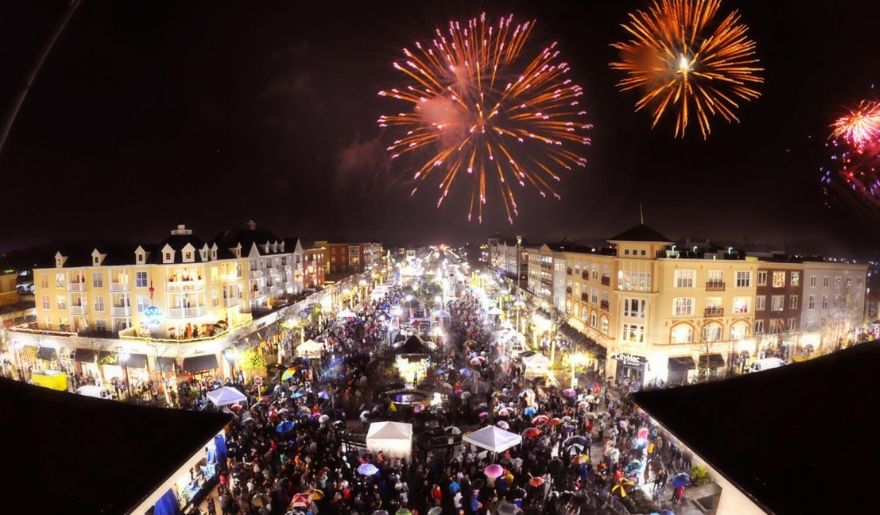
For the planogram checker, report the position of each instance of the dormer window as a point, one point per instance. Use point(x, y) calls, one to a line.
point(213, 254)
point(139, 258)
point(96, 260)
point(204, 255)
point(189, 256)
point(59, 262)
point(167, 257)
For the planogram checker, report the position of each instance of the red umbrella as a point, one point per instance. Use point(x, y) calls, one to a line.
point(540, 419)
point(555, 421)
point(536, 481)
point(301, 500)
point(532, 432)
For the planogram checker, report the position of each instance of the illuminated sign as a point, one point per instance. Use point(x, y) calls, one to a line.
point(153, 315)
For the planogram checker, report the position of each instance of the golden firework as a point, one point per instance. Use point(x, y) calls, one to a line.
point(683, 60)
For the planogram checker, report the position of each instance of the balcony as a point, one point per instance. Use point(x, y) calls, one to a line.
point(181, 313)
point(120, 311)
point(118, 286)
point(713, 311)
point(230, 302)
point(256, 274)
point(186, 286)
point(78, 309)
point(257, 295)
point(606, 280)
point(715, 286)
point(603, 305)
point(585, 297)
point(568, 271)
point(76, 286)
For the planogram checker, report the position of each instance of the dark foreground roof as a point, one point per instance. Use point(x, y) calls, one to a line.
point(796, 439)
point(640, 233)
point(413, 345)
point(66, 453)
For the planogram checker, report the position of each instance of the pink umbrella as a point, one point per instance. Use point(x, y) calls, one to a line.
point(643, 433)
point(540, 419)
point(505, 412)
point(569, 392)
point(503, 425)
point(493, 471)
point(484, 414)
point(418, 408)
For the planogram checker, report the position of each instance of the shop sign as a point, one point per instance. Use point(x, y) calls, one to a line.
point(630, 360)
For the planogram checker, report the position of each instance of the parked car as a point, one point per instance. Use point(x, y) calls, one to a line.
point(766, 364)
point(91, 390)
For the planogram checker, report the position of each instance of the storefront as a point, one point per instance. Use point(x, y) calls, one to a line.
point(679, 369)
point(711, 365)
point(86, 363)
point(630, 368)
point(202, 367)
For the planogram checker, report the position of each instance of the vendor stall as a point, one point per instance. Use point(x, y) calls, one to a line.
point(394, 439)
point(493, 439)
point(225, 396)
point(310, 349)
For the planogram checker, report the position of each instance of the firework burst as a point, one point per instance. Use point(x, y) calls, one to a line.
point(481, 106)
point(860, 128)
point(684, 61)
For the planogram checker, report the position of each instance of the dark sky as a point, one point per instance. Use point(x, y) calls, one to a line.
point(152, 112)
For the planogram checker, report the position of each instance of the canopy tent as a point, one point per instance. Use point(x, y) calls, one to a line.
point(536, 361)
point(309, 348)
point(225, 396)
point(493, 438)
point(346, 313)
point(494, 311)
point(394, 439)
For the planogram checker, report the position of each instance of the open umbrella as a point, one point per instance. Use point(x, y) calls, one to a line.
point(323, 419)
point(297, 395)
point(287, 374)
point(555, 421)
point(300, 501)
point(503, 425)
point(323, 395)
point(493, 471)
point(484, 414)
point(643, 433)
point(574, 440)
point(452, 430)
point(532, 432)
point(529, 411)
point(284, 427)
point(540, 419)
point(505, 412)
point(633, 467)
point(367, 469)
point(569, 392)
point(403, 511)
point(536, 481)
point(579, 459)
point(681, 480)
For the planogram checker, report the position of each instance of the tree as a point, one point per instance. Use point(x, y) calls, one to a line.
point(252, 359)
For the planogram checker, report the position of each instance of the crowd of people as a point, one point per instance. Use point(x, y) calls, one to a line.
point(294, 449)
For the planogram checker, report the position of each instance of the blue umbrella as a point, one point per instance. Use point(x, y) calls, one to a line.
point(367, 469)
point(323, 395)
point(284, 427)
point(297, 395)
point(680, 480)
point(633, 467)
point(529, 411)
point(439, 371)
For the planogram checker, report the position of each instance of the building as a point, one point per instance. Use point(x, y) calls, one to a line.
point(313, 267)
point(833, 301)
point(672, 315)
point(349, 258)
point(509, 257)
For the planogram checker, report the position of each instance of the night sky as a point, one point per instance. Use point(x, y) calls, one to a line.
point(213, 113)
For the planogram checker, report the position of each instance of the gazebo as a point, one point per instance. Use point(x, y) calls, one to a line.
point(412, 360)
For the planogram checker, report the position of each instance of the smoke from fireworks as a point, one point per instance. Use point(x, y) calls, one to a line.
point(684, 61)
point(480, 106)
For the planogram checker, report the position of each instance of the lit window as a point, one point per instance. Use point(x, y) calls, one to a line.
point(777, 303)
point(682, 334)
point(760, 303)
point(779, 279)
point(683, 306)
point(795, 278)
point(743, 278)
point(762, 278)
point(712, 333)
point(685, 278)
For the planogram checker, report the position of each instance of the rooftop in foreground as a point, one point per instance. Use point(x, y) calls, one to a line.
point(67, 453)
point(796, 439)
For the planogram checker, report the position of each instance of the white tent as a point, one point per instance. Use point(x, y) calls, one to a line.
point(536, 361)
point(493, 438)
point(309, 348)
point(346, 313)
point(394, 439)
point(494, 311)
point(225, 396)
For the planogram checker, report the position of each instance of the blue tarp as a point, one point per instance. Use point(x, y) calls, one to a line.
point(222, 452)
point(167, 505)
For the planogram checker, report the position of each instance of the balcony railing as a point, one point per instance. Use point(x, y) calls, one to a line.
point(193, 312)
point(606, 280)
point(77, 310)
point(603, 305)
point(258, 295)
point(256, 274)
point(585, 276)
point(715, 286)
point(118, 286)
point(230, 302)
point(713, 311)
point(76, 286)
point(120, 311)
point(186, 286)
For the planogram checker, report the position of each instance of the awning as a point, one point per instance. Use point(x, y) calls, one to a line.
point(682, 363)
point(200, 363)
point(28, 352)
point(47, 353)
point(711, 361)
point(165, 364)
point(84, 355)
point(136, 361)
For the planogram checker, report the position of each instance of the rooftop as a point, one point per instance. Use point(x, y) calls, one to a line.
point(78, 454)
point(641, 232)
point(782, 434)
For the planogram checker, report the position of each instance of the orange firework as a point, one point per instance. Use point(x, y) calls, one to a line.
point(478, 108)
point(859, 127)
point(684, 61)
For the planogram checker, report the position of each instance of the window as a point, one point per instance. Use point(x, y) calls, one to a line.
point(683, 306)
point(44, 281)
point(795, 278)
point(777, 303)
point(97, 280)
point(685, 278)
point(793, 302)
point(633, 281)
point(859, 281)
point(644, 252)
point(779, 279)
point(633, 333)
point(121, 324)
point(634, 308)
point(837, 281)
point(811, 302)
point(215, 298)
point(825, 281)
point(594, 296)
point(813, 281)
point(604, 326)
point(101, 325)
point(62, 302)
point(593, 319)
point(189, 256)
point(140, 279)
point(741, 305)
point(777, 325)
point(46, 302)
point(682, 333)
point(792, 324)
point(140, 258)
point(712, 333)
point(715, 278)
point(762, 278)
point(60, 280)
point(739, 331)
point(626, 252)
point(759, 327)
point(743, 278)
point(824, 301)
point(849, 282)
point(99, 303)
point(142, 303)
point(760, 303)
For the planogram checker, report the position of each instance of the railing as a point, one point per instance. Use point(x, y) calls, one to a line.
point(76, 286)
point(118, 286)
point(186, 286)
point(256, 273)
point(606, 280)
point(715, 286)
point(77, 310)
point(603, 305)
point(257, 295)
point(713, 311)
point(120, 311)
point(230, 301)
point(178, 313)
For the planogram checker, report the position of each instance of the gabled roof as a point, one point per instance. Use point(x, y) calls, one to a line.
point(641, 232)
point(247, 237)
point(177, 242)
point(90, 455)
point(413, 345)
point(806, 427)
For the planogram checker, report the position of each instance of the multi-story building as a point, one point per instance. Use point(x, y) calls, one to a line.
point(313, 267)
point(547, 272)
point(349, 258)
point(510, 257)
point(669, 314)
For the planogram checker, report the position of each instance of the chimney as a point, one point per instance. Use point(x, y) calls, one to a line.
point(251, 225)
point(181, 229)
